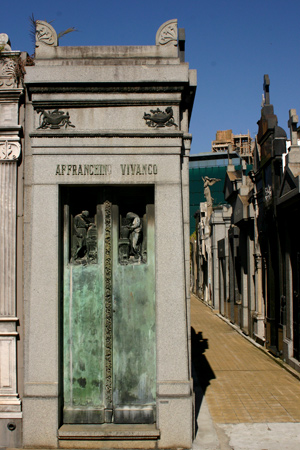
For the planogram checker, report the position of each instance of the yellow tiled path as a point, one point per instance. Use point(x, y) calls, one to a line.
point(241, 383)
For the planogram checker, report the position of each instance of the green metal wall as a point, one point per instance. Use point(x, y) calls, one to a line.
point(197, 189)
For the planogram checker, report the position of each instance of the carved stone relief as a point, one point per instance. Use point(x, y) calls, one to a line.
point(8, 67)
point(54, 119)
point(84, 238)
point(268, 193)
point(131, 240)
point(159, 119)
point(45, 34)
point(167, 34)
point(8, 73)
point(9, 151)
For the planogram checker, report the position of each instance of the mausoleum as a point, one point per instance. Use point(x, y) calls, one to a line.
point(94, 244)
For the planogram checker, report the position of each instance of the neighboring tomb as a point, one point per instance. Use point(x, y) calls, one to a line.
point(105, 331)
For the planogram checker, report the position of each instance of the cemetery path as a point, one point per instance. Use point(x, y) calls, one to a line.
point(240, 391)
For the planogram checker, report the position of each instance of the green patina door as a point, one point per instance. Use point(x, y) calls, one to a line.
point(109, 361)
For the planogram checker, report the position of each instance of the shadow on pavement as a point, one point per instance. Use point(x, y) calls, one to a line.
point(201, 371)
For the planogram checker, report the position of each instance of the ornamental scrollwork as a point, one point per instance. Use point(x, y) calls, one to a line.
point(108, 302)
point(8, 68)
point(159, 119)
point(9, 151)
point(54, 119)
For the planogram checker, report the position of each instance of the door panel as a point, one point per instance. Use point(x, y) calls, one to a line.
point(84, 314)
point(134, 357)
point(109, 312)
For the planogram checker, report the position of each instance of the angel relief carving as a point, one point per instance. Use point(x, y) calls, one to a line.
point(131, 239)
point(84, 239)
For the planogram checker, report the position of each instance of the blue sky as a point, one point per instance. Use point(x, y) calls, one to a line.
point(232, 44)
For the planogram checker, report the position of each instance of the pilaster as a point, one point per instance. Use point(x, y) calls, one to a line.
point(10, 150)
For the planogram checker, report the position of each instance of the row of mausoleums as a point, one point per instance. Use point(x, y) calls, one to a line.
point(248, 252)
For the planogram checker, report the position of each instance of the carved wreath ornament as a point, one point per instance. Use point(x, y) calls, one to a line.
point(54, 119)
point(158, 118)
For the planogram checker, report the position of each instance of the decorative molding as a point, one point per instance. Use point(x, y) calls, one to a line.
point(167, 33)
point(75, 103)
point(108, 303)
point(107, 89)
point(153, 134)
point(9, 150)
point(160, 119)
point(54, 119)
point(45, 34)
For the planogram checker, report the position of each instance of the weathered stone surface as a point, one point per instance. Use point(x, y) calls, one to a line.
point(5, 42)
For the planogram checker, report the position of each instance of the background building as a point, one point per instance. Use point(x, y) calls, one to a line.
point(239, 143)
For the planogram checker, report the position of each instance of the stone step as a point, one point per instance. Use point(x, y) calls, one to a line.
point(108, 431)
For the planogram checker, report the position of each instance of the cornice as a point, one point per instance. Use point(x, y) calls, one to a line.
point(107, 133)
point(102, 88)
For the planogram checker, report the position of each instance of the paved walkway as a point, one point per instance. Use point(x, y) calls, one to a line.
point(244, 399)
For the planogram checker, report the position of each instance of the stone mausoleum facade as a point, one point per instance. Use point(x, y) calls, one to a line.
point(94, 244)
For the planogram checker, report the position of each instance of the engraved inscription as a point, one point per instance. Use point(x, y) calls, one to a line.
point(105, 169)
point(138, 169)
point(83, 169)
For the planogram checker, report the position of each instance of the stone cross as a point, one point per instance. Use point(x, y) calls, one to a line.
point(292, 124)
point(267, 89)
